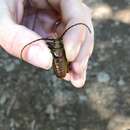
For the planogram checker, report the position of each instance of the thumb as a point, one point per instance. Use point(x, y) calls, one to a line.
point(14, 37)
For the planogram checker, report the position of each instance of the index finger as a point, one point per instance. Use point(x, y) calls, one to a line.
point(75, 37)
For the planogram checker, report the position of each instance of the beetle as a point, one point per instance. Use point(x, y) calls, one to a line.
point(60, 63)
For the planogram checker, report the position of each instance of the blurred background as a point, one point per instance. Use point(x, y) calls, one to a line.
point(31, 99)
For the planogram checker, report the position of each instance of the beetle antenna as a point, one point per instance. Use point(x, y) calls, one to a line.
point(51, 40)
point(46, 39)
point(74, 26)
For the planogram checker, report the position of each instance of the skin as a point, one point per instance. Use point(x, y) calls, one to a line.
point(17, 29)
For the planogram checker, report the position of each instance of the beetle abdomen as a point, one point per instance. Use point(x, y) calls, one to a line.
point(60, 64)
point(60, 67)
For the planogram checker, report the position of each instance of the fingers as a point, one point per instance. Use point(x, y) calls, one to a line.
point(78, 80)
point(73, 40)
point(74, 37)
point(77, 75)
point(14, 37)
point(81, 61)
point(79, 66)
point(72, 9)
point(78, 41)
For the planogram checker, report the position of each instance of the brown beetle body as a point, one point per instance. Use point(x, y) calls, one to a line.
point(60, 64)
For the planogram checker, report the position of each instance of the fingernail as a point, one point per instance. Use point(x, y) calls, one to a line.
point(67, 77)
point(39, 57)
point(79, 80)
point(78, 83)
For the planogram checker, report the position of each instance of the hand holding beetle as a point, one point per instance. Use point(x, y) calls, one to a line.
point(78, 41)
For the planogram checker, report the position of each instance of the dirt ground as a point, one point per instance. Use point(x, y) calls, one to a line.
point(34, 99)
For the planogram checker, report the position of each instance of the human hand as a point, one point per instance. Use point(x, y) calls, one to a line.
point(78, 41)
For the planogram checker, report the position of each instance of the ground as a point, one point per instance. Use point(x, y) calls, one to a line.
point(34, 99)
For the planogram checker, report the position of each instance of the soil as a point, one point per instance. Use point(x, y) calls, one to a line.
point(34, 99)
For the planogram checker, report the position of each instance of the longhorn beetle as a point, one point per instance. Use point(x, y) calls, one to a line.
point(60, 63)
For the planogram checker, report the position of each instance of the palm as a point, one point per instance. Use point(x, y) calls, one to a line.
point(41, 21)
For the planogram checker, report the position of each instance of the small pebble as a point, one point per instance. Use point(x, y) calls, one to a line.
point(82, 98)
point(103, 77)
point(50, 111)
point(10, 67)
point(3, 99)
point(121, 82)
point(60, 99)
